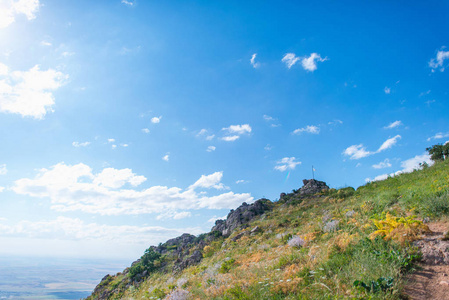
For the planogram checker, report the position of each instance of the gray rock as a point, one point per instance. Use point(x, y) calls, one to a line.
point(434, 251)
point(255, 230)
point(349, 213)
point(331, 226)
point(194, 259)
point(296, 242)
point(238, 236)
point(241, 216)
point(312, 186)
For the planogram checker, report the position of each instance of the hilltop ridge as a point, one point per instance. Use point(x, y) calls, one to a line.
point(314, 242)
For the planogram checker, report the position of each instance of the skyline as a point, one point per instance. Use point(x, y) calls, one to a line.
point(125, 123)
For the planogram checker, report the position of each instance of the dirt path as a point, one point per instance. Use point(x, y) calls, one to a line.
point(432, 281)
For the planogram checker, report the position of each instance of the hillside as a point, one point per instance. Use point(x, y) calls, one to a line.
point(314, 243)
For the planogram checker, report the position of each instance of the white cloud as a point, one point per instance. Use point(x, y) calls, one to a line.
point(211, 148)
point(287, 163)
point(309, 129)
point(4, 70)
point(425, 93)
point(235, 131)
point(209, 181)
point(67, 54)
point(335, 122)
point(230, 138)
point(357, 152)
point(202, 132)
point(124, 145)
point(166, 157)
point(182, 215)
point(413, 163)
point(156, 120)
point(1, 191)
point(29, 93)
point(9, 9)
point(438, 135)
point(408, 166)
point(268, 118)
point(3, 169)
point(290, 59)
point(129, 2)
point(383, 164)
point(389, 143)
point(64, 228)
point(174, 215)
point(238, 129)
point(210, 137)
point(113, 178)
point(111, 140)
point(77, 188)
point(45, 43)
point(215, 218)
point(114, 146)
point(145, 130)
point(387, 90)
point(241, 181)
point(253, 61)
point(78, 144)
point(438, 61)
point(309, 63)
point(393, 125)
point(267, 147)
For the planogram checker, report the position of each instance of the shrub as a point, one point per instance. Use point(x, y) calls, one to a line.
point(235, 293)
point(226, 266)
point(148, 262)
point(400, 229)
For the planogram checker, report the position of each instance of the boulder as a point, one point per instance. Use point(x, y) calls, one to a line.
point(242, 215)
point(312, 186)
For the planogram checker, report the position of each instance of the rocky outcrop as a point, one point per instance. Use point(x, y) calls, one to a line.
point(193, 259)
point(312, 186)
point(242, 215)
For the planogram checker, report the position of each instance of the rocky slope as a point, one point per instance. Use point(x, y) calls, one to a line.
point(314, 243)
point(186, 250)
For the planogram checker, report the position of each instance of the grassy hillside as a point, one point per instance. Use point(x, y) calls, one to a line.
point(332, 245)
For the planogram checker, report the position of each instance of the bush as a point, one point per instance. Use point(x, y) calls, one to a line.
point(226, 266)
point(148, 262)
point(401, 229)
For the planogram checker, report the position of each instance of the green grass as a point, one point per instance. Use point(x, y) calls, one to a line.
point(334, 265)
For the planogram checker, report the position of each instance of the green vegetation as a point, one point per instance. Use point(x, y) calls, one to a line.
point(367, 256)
point(148, 262)
point(439, 152)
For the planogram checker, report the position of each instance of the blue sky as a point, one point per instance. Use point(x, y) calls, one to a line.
point(125, 123)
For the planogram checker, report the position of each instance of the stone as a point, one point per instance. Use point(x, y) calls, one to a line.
point(241, 216)
point(255, 230)
point(331, 226)
point(296, 242)
point(238, 236)
point(312, 186)
point(349, 213)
